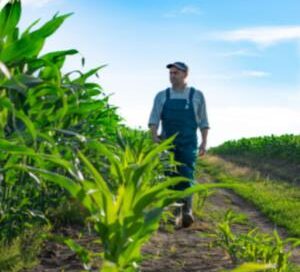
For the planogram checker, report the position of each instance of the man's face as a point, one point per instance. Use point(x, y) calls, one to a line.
point(177, 76)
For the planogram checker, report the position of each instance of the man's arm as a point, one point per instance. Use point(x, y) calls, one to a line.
point(203, 125)
point(154, 119)
point(202, 148)
point(153, 130)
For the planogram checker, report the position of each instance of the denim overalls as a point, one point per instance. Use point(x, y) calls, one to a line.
point(178, 116)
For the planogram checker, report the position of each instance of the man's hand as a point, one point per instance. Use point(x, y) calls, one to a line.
point(202, 149)
point(156, 139)
point(153, 131)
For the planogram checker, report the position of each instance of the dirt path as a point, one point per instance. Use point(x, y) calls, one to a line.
point(228, 200)
point(178, 250)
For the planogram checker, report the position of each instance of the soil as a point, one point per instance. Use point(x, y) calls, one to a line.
point(173, 250)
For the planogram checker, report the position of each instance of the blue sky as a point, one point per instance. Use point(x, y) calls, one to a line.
point(243, 55)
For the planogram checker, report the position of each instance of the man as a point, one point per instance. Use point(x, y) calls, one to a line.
point(182, 110)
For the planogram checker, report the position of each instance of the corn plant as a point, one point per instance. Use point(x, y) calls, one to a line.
point(254, 246)
point(253, 267)
point(42, 110)
point(199, 201)
point(126, 208)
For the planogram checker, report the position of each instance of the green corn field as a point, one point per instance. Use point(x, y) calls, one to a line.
point(67, 159)
point(285, 147)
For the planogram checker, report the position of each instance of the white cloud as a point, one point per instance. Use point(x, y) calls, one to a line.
point(298, 49)
point(262, 36)
point(190, 10)
point(236, 75)
point(294, 98)
point(228, 123)
point(238, 53)
point(255, 73)
point(236, 122)
point(30, 3)
point(36, 3)
point(185, 10)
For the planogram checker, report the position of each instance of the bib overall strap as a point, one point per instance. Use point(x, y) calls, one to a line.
point(168, 94)
point(192, 91)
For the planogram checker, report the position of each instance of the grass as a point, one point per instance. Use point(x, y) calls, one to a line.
point(278, 200)
point(22, 252)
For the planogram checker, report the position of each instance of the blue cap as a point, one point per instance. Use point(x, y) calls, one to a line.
point(179, 65)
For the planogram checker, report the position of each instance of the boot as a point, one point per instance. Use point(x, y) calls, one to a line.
point(187, 213)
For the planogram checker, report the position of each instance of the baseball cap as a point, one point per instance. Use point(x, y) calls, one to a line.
point(179, 65)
